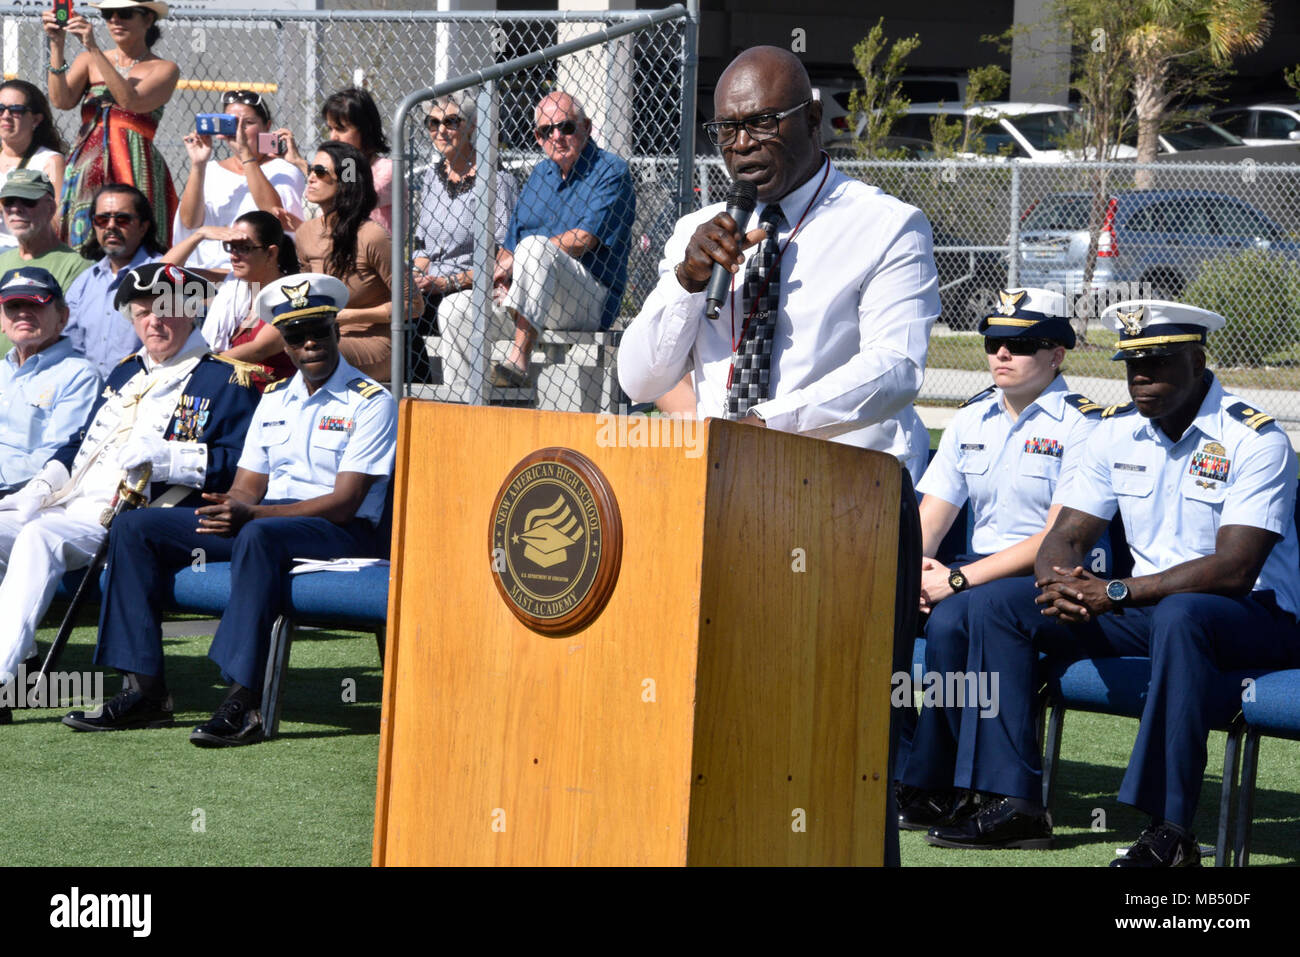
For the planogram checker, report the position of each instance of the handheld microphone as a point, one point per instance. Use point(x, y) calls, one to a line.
point(741, 200)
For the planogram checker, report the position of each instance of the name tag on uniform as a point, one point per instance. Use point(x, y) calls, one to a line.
point(334, 423)
point(972, 447)
point(1037, 446)
point(1128, 467)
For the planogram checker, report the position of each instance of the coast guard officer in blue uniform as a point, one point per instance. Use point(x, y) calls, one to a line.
point(1006, 451)
point(172, 405)
point(1205, 484)
point(311, 483)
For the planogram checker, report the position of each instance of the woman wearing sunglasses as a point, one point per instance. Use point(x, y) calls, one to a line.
point(260, 253)
point(28, 140)
point(220, 191)
point(444, 234)
point(1006, 451)
point(344, 242)
point(122, 92)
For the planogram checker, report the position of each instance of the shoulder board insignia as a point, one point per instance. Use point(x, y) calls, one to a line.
point(1084, 404)
point(1112, 410)
point(125, 359)
point(977, 396)
point(277, 384)
point(1250, 416)
point(241, 372)
point(367, 388)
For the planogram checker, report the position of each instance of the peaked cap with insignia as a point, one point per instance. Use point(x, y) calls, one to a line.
point(305, 295)
point(1030, 313)
point(1156, 327)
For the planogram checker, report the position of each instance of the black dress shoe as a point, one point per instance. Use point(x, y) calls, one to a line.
point(1161, 846)
point(128, 710)
point(231, 725)
point(920, 810)
point(996, 825)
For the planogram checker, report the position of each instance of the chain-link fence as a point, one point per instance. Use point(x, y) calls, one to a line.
point(527, 274)
point(1224, 237)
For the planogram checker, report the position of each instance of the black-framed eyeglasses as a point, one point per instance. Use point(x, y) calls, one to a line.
point(1017, 346)
point(104, 220)
point(759, 126)
point(241, 246)
point(17, 109)
point(320, 172)
point(125, 13)
point(299, 332)
point(567, 128)
point(453, 122)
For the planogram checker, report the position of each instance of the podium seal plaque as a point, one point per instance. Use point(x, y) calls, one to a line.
point(556, 541)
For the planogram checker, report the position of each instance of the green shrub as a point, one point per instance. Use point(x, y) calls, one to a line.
point(1258, 292)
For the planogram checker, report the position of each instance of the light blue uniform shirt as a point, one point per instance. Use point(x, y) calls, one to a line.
point(43, 403)
point(302, 442)
point(1174, 496)
point(97, 330)
point(1010, 470)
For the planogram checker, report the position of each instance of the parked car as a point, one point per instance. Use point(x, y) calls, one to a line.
point(1264, 124)
point(1157, 238)
point(968, 280)
point(1032, 131)
point(1192, 134)
point(838, 134)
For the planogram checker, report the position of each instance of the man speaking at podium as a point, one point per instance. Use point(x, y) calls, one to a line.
point(833, 288)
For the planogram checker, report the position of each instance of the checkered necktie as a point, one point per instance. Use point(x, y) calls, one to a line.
point(762, 292)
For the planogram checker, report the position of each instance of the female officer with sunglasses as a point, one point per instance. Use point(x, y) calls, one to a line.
point(220, 191)
point(122, 92)
point(1007, 450)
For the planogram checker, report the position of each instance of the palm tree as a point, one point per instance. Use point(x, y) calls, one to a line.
point(1169, 33)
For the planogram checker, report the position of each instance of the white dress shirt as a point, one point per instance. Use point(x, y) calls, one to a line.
point(859, 293)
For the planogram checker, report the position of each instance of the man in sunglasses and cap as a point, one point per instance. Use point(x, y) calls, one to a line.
point(311, 483)
point(27, 202)
point(172, 405)
point(1205, 484)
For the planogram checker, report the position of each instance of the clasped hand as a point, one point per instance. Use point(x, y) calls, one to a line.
point(1073, 595)
point(226, 517)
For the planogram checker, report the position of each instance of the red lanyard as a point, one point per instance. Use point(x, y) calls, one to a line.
point(758, 297)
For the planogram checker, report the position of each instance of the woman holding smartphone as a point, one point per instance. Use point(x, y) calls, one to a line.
point(252, 176)
point(121, 92)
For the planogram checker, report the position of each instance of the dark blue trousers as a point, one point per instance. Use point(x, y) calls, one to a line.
point(1192, 640)
point(146, 546)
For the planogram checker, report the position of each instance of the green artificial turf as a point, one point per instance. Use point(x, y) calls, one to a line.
point(307, 797)
point(151, 797)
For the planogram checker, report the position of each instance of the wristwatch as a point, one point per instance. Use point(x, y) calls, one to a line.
point(956, 580)
point(1117, 591)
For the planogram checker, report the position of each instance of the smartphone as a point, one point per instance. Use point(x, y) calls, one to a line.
point(216, 124)
point(270, 144)
point(63, 11)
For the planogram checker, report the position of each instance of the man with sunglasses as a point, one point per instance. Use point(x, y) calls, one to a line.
point(1205, 484)
point(172, 405)
point(826, 328)
point(125, 237)
point(28, 203)
point(311, 483)
point(563, 264)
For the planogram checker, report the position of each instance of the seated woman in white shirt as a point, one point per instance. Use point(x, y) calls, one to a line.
point(260, 253)
point(28, 140)
point(218, 192)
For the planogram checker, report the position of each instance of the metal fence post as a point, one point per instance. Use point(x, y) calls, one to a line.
point(686, 143)
point(1013, 234)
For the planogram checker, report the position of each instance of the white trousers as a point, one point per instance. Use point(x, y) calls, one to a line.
point(552, 290)
point(33, 557)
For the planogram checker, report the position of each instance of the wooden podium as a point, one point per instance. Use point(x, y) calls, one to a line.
point(730, 704)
